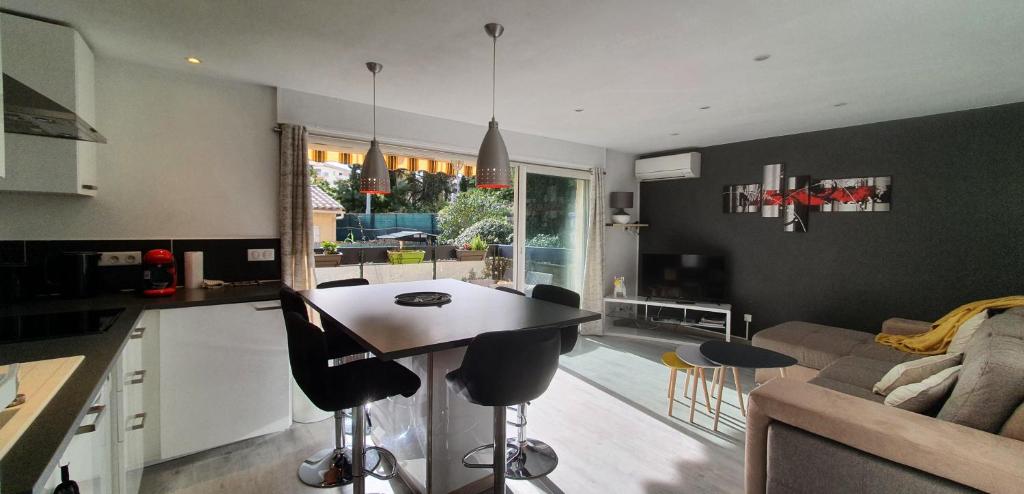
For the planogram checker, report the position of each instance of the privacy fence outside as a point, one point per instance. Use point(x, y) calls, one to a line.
point(366, 227)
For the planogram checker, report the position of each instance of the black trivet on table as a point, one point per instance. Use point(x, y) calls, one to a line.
point(423, 299)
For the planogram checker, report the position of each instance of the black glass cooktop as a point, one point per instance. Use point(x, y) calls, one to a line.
point(56, 325)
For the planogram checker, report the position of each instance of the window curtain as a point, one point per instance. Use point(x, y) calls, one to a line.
point(593, 270)
point(295, 210)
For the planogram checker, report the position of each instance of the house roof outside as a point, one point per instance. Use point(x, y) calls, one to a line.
point(324, 202)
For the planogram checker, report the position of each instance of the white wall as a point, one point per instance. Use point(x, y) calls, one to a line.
point(187, 156)
point(620, 246)
point(353, 119)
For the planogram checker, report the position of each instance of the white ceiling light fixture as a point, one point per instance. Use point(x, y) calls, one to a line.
point(493, 170)
point(193, 60)
point(374, 177)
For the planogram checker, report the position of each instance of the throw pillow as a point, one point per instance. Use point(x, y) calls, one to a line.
point(1014, 427)
point(965, 332)
point(925, 395)
point(915, 371)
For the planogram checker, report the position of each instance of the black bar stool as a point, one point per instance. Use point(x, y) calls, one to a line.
point(330, 326)
point(509, 290)
point(535, 458)
point(500, 369)
point(350, 385)
point(343, 283)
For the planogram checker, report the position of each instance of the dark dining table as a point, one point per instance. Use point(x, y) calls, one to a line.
point(370, 315)
point(430, 431)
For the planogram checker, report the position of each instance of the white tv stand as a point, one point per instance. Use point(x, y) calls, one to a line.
point(685, 306)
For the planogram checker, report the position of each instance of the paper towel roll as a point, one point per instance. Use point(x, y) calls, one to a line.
point(193, 269)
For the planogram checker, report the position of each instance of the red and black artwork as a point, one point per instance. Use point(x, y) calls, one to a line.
point(865, 194)
point(771, 191)
point(795, 200)
point(741, 198)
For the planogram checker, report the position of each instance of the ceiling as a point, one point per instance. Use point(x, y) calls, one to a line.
point(640, 69)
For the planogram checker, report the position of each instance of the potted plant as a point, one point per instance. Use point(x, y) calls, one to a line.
point(330, 258)
point(474, 250)
point(403, 256)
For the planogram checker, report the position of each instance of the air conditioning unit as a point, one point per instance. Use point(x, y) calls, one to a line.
point(686, 165)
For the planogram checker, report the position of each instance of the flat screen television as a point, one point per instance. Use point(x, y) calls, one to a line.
point(683, 277)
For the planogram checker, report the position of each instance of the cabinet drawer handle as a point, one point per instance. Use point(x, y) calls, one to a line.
point(141, 417)
point(272, 307)
point(96, 410)
point(90, 187)
point(138, 333)
point(137, 377)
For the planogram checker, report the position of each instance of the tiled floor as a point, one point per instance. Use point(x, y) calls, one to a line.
point(605, 413)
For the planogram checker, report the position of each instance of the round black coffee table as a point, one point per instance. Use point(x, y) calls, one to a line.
point(740, 356)
point(729, 354)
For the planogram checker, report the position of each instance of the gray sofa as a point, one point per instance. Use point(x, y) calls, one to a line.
point(822, 429)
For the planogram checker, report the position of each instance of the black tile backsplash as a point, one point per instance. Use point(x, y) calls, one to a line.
point(34, 268)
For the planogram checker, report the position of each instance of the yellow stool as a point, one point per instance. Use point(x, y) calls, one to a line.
point(675, 365)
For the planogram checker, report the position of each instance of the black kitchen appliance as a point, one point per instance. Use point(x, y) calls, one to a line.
point(56, 325)
point(80, 278)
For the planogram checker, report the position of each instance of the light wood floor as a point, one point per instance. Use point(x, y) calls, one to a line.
point(604, 413)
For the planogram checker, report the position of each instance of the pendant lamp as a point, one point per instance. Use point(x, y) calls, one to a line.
point(493, 170)
point(374, 177)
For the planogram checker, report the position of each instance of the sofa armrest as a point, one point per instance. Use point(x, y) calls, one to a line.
point(900, 326)
point(974, 458)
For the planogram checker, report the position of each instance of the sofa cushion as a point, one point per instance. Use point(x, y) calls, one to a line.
point(812, 345)
point(965, 332)
point(1014, 426)
point(926, 395)
point(854, 376)
point(877, 351)
point(858, 371)
point(991, 385)
point(915, 371)
point(847, 388)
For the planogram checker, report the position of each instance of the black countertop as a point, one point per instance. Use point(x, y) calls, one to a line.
point(33, 457)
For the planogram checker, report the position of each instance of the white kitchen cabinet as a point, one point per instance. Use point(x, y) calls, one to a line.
point(135, 378)
point(90, 455)
point(55, 61)
point(224, 376)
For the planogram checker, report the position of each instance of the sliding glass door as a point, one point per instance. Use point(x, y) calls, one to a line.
point(551, 226)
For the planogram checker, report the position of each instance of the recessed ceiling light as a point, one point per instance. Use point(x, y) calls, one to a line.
point(762, 57)
point(841, 103)
point(578, 110)
point(193, 60)
point(705, 107)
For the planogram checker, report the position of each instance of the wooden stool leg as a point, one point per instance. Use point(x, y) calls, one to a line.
point(714, 381)
point(707, 396)
point(718, 402)
point(739, 390)
point(693, 393)
point(686, 385)
point(671, 390)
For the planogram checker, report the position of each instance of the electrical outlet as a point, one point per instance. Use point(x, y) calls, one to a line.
point(260, 254)
point(748, 317)
point(128, 258)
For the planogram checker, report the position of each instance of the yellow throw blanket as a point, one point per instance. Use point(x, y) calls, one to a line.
point(936, 340)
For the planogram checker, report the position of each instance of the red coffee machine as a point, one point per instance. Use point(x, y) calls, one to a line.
point(159, 276)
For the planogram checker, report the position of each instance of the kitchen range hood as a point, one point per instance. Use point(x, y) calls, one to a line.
point(26, 111)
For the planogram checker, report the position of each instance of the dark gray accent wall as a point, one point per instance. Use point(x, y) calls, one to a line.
point(955, 233)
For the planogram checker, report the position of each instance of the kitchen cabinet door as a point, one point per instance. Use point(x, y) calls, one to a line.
point(90, 455)
point(224, 376)
point(55, 61)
